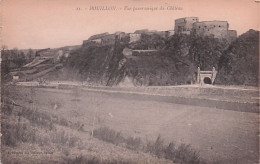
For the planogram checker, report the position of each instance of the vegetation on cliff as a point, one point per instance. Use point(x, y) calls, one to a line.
point(239, 64)
point(174, 63)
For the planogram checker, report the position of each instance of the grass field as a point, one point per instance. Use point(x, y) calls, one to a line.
point(56, 125)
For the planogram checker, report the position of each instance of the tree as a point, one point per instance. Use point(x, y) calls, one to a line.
point(30, 54)
point(4, 47)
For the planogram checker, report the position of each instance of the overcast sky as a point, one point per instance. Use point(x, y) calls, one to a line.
point(57, 23)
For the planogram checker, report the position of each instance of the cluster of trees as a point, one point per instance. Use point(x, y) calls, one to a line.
point(239, 64)
point(14, 58)
point(152, 41)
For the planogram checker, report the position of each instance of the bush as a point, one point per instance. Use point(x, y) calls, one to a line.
point(17, 132)
point(186, 154)
point(239, 64)
point(183, 154)
point(156, 148)
point(35, 117)
point(170, 151)
point(133, 143)
point(108, 135)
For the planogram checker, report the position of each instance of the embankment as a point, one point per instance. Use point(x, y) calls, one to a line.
point(219, 97)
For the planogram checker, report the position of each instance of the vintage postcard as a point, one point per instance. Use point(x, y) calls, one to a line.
point(129, 81)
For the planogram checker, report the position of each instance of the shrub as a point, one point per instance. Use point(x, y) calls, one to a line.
point(108, 135)
point(186, 154)
point(133, 143)
point(156, 148)
point(17, 132)
point(182, 154)
point(35, 117)
point(170, 151)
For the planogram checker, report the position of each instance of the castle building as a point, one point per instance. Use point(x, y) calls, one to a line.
point(216, 29)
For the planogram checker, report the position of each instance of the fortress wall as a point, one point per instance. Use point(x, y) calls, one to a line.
point(218, 29)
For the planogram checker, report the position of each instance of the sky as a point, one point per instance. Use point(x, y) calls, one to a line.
point(55, 23)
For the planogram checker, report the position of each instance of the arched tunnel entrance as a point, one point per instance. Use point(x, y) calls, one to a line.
point(206, 77)
point(207, 80)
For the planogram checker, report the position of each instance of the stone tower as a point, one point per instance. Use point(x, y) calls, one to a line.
point(184, 25)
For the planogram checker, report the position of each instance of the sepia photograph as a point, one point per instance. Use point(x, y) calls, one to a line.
point(129, 81)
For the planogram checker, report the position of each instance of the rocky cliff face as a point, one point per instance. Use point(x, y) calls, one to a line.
point(175, 61)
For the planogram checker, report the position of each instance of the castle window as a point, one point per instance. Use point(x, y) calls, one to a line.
point(205, 26)
point(219, 26)
point(214, 26)
point(199, 26)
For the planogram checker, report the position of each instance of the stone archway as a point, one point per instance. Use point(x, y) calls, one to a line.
point(206, 77)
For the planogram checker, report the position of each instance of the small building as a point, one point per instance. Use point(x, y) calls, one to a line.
point(120, 35)
point(127, 52)
point(104, 38)
point(16, 76)
point(162, 34)
point(134, 37)
point(143, 31)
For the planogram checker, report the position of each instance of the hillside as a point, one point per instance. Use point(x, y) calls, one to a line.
point(175, 61)
point(158, 61)
point(239, 64)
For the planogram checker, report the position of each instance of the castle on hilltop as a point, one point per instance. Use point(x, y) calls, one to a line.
point(216, 29)
point(187, 25)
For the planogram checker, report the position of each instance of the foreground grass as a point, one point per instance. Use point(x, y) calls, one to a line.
point(27, 129)
point(94, 160)
point(41, 129)
point(178, 154)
